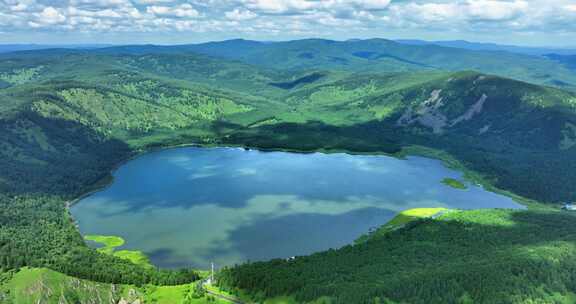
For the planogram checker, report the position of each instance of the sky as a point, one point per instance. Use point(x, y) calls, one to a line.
point(519, 22)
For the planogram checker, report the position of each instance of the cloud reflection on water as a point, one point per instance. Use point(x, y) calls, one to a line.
point(213, 224)
point(190, 206)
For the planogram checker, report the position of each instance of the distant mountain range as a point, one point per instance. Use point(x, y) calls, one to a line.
point(461, 44)
point(6, 48)
point(567, 60)
point(479, 46)
point(373, 55)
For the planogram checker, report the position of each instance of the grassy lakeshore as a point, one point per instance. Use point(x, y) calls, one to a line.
point(110, 243)
point(401, 220)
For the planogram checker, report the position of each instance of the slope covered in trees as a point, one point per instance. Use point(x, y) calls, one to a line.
point(482, 256)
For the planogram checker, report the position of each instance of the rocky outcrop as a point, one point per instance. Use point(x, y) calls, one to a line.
point(429, 113)
point(426, 114)
point(475, 109)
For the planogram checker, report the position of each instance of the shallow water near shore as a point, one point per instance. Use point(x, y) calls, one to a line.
point(187, 207)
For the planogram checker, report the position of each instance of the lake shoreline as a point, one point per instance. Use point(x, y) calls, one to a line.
point(446, 159)
point(380, 180)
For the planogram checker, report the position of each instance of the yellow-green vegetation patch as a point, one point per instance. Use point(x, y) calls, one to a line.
point(401, 219)
point(21, 76)
point(111, 242)
point(166, 294)
point(383, 111)
point(491, 217)
point(186, 294)
point(338, 94)
point(112, 113)
point(412, 214)
point(454, 183)
point(134, 256)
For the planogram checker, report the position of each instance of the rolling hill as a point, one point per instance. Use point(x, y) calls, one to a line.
point(372, 55)
point(380, 55)
point(567, 60)
point(479, 46)
point(42, 285)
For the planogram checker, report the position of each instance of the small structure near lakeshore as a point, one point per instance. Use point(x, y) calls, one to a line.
point(569, 207)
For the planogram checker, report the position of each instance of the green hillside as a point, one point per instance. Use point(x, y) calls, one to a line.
point(41, 285)
point(68, 117)
point(484, 256)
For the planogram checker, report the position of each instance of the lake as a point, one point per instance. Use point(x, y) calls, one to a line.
point(192, 206)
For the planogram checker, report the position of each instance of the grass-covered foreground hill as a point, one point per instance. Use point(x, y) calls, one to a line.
point(68, 117)
point(41, 285)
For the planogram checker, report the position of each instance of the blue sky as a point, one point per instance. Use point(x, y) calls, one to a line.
point(522, 22)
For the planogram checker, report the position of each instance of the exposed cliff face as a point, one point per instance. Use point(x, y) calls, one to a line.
point(429, 113)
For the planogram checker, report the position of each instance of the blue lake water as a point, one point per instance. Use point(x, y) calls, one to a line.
point(193, 206)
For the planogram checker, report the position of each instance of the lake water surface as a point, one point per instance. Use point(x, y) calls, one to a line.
point(192, 206)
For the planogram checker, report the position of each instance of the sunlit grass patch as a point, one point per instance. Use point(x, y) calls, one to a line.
point(112, 242)
point(42, 285)
point(401, 219)
point(109, 242)
point(136, 257)
point(409, 215)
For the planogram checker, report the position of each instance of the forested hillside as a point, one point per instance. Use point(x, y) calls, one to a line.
point(483, 256)
point(68, 117)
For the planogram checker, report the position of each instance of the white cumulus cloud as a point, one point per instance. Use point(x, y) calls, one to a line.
point(494, 10)
point(287, 19)
point(50, 15)
point(240, 15)
point(372, 4)
point(282, 6)
point(183, 10)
